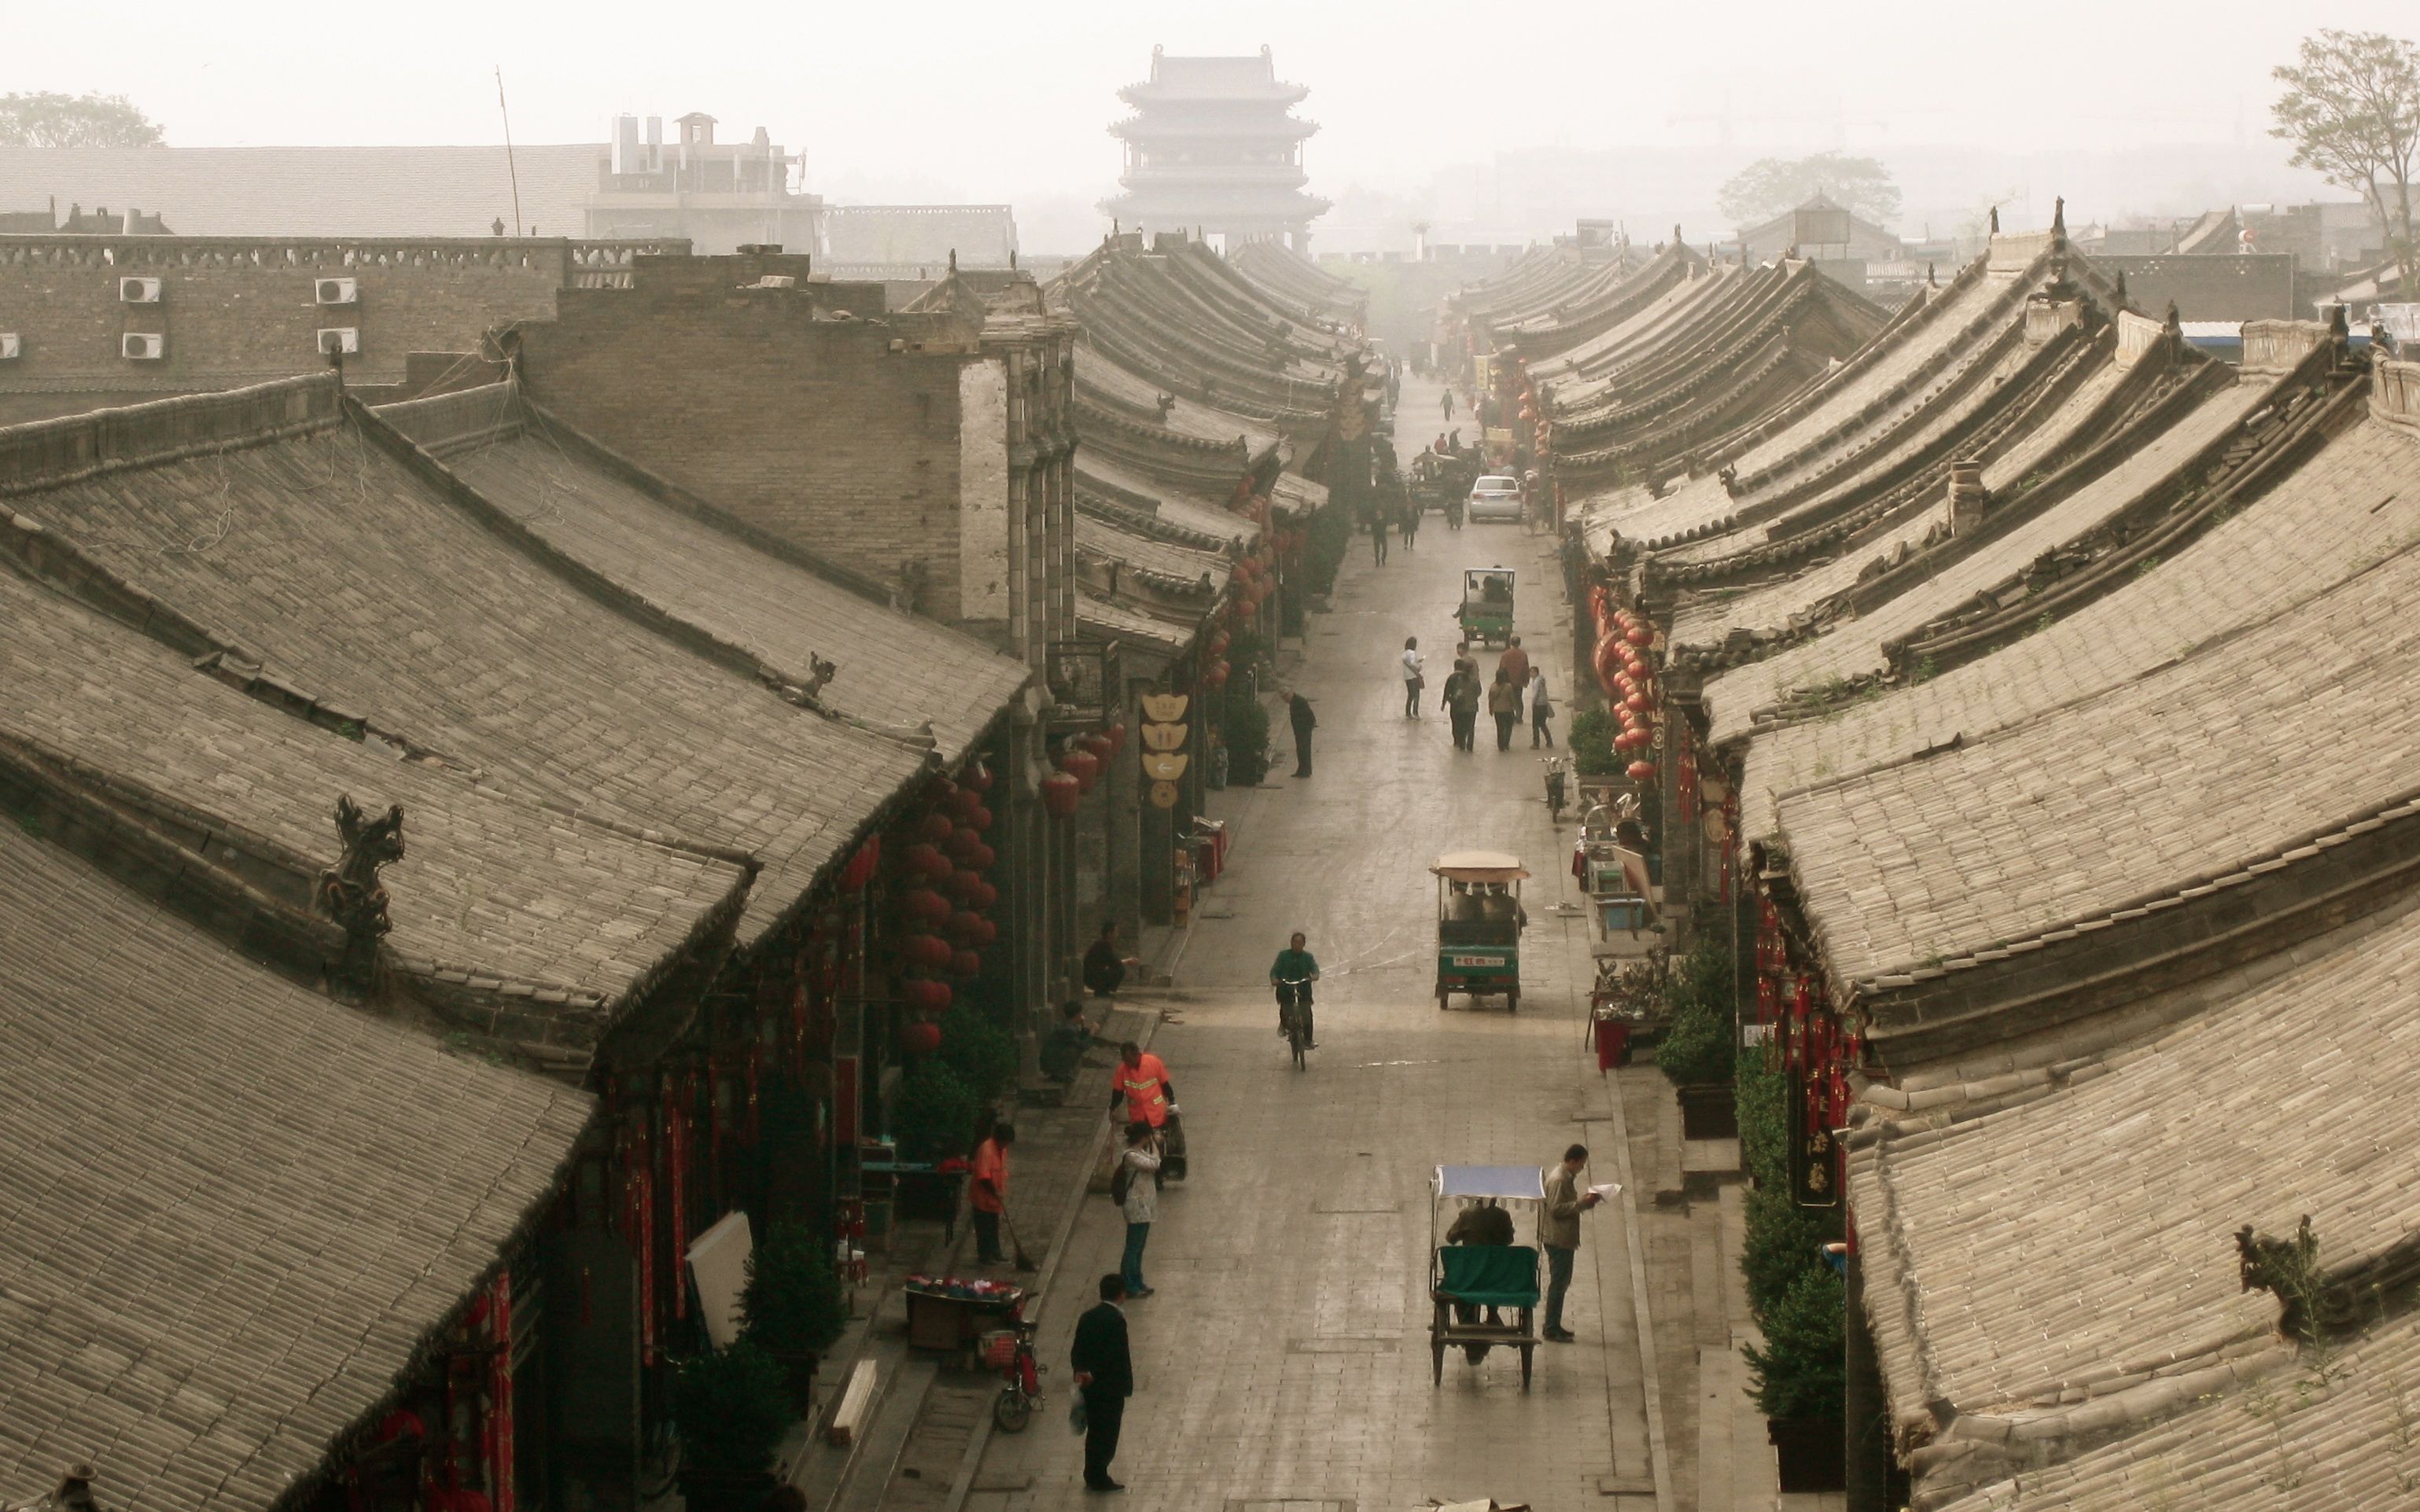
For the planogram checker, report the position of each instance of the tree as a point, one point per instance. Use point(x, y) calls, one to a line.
point(2351, 108)
point(50, 119)
point(1769, 186)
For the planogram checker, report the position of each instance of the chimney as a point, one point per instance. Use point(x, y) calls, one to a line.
point(1968, 498)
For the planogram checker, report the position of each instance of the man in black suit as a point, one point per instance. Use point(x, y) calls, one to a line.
point(1104, 1373)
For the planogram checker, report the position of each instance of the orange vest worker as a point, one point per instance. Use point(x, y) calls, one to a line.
point(1145, 1084)
point(991, 1166)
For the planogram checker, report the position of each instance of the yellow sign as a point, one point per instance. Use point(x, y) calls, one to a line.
point(1164, 737)
point(1164, 768)
point(1163, 794)
point(1165, 709)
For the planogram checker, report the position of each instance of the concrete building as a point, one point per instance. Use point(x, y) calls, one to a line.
point(1213, 145)
point(718, 196)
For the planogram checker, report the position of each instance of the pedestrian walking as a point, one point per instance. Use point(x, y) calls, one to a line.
point(1104, 1367)
point(987, 1192)
point(1299, 714)
point(1504, 703)
point(1408, 514)
point(1462, 702)
point(1447, 402)
point(1413, 680)
point(1136, 1190)
point(1377, 517)
point(1515, 662)
point(1558, 1231)
point(1540, 712)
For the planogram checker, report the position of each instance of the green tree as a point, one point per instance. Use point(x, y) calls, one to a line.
point(732, 1407)
point(1769, 186)
point(2351, 109)
point(1802, 1371)
point(1244, 725)
point(49, 119)
point(980, 1051)
point(793, 1306)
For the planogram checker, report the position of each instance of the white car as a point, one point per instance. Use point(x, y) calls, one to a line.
point(1495, 497)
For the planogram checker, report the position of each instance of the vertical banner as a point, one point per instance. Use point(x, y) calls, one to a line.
point(500, 1394)
point(676, 1175)
point(641, 1222)
point(1814, 1154)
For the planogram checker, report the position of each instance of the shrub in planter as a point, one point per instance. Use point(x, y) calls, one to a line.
point(1243, 726)
point(1763, 1094)
point(1779, 1244)
point(1801, 1369)
point(1699, 1043)
point(1590, 740)
point(793, 1305)
point(980, 1051)
point(933, 1114)
point(732, 1407)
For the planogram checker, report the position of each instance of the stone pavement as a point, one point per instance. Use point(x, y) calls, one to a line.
point(1285, 1358)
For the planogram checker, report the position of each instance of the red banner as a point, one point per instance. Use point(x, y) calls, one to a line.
point(639, 1220)
point(676, 1173)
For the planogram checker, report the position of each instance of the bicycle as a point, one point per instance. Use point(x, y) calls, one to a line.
point(1011, 1352)
point(1558, 769)
point(1294, 1014)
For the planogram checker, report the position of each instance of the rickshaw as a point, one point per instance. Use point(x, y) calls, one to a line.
point(1483, 1293)
point(1479, 926)
point(1487, 611)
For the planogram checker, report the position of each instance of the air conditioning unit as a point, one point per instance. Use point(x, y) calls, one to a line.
point(339, 291)
point(142, 347)
point(10, 347)
point(339, 339)
point(138, 291)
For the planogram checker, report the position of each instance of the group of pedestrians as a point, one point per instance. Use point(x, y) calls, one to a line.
point(1517, 686)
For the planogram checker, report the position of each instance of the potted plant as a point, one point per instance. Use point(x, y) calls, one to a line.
point(793, 1306)
point(1798, 1378)
point(1698, 1047)
point(982, 1053)
point(731, 1408)
point(1243, 726)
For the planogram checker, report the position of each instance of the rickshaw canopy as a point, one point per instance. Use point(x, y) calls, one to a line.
point(1507, 1183)
point(1480, 866)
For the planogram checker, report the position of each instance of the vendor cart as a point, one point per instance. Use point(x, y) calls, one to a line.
point(1483, 1294)
point(951, 1314)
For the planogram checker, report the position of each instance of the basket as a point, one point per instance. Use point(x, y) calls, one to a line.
point(1000, 1349)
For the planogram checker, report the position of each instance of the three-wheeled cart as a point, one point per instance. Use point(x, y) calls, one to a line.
point(1483, 1294)
point(1487, 611)
point(1480, 918)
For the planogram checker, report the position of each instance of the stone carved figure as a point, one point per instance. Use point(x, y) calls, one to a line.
point(349, 892)
point(2311, 1305)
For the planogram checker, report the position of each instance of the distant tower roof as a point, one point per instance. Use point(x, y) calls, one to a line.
point(1212, 144)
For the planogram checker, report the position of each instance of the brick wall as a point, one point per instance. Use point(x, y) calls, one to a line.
point(236, 312)
point(805, 411)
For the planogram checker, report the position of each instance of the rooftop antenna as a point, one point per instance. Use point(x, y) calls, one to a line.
point(510, 167)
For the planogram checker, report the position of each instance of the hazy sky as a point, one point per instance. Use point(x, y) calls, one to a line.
point(960, 100)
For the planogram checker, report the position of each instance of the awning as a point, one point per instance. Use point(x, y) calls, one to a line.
point(1515, 1183)
point(1480, 866)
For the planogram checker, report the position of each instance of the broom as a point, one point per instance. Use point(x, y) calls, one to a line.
point(1024, 1262)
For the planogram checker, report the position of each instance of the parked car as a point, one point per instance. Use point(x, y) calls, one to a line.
point(1495, 497)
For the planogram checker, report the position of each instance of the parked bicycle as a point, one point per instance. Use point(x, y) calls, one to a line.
point(1011, 1352)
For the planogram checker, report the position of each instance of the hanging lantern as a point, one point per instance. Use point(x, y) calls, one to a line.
point(1217, 675)
point(920, 1037)
point(960, 846)
point(1099, 746)
point(979, 821)
point(862, 866)
point(963, 802)
point(986, 897)
point(982, 857)
point(982, 933)
point(965, 965)
point(1219, 643)
point(1117, 733)
point(924, 904)
point(977, 777)
point(934, 828)
point(960, 886)
point(924, 860)
point(1082, 765)
point(1642, 771)
point(1639, 701)
point(1060, 795)
point(932, 996)
point(926, 949)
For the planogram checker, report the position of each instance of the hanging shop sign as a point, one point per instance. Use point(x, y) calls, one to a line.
point(1164, 734)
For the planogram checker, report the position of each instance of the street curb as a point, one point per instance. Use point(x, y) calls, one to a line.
point(962, 1482)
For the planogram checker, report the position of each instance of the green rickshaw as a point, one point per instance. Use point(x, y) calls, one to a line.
point(1487, 611)
point(1480, 918)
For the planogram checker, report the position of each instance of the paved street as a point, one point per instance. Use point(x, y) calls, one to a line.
point(1284, 1358)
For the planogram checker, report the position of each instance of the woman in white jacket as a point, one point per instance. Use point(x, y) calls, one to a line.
point(1139, 1175)
point(1413, 680)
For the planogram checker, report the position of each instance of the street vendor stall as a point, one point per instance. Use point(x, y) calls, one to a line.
point(952, 1313)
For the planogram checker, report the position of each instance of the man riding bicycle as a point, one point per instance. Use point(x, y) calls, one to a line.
point(1292, 976)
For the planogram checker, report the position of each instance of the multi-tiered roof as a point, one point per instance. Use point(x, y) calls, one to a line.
point(1212, 146)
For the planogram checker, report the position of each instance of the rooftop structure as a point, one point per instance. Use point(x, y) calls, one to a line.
point(719, 195)
point(1212, 144)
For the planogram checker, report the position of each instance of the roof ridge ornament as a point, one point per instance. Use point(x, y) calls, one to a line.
point(2058, 217)
point(350, 891)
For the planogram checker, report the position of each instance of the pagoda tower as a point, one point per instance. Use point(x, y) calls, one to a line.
point(1212, 144)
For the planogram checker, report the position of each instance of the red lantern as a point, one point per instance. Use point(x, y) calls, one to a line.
point(1219, 643)
point(926, 949)
point(1639, 701)
point(1642, 771)
point(985, 897)
point(924, 904)
point(977, 777)
point(933, 996)
point(1117, 733)
point(1060, 795)
point(961, 885)
point(963, 803)
point(925, 860)
point(965, 964)
point(1099, 746)
point(1640, 635)
point(1082, 765)
point(934, 827)
point(982, 933)
point(982, 857)
point(1217, 675)
point(920, 1037)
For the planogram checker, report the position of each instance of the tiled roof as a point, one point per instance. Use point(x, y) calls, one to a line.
point(2153, 787)
point(2340, 511)
point(2054, 1259)
point(1114, 620)
point(232, 1210)
point(895, 670)
point(1854, 648)
point(317, 191)
point(356, 574)
point(1178, 568)
point(488, 884)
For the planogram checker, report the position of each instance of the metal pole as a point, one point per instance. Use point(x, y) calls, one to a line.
point(510, 167)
